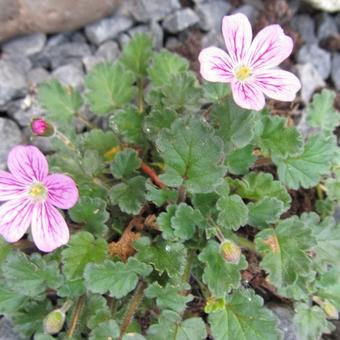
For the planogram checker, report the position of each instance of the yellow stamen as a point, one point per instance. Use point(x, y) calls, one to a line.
point(38, 191)
point(243, 72)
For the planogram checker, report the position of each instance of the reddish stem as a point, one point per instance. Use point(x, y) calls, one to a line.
point(152, 174)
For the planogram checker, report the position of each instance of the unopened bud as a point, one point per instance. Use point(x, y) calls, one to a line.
point(54, 321)
point(40, 127)
point(230, 251)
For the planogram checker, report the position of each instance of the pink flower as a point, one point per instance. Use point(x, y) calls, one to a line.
point(31, 195)
point(40, 127)
point(250, 66)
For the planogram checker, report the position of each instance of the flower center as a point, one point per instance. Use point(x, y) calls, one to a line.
point(243, 72)
point(38, 192)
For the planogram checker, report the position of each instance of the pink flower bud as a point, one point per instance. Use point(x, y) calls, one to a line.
point(230, 251)
point(40, 127)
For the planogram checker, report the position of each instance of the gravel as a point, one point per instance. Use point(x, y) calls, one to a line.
point(71, 74)
point(336, 71)
point(27, 45)
point(305, 26)
point(180, 20)
point(326, 27)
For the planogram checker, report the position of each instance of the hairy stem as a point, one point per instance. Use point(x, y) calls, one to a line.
point(75, 316)
point(134, 303)
point(243, 242)
point(140, 99)
point(152, 174)
point(182, 194)
point(187, 269)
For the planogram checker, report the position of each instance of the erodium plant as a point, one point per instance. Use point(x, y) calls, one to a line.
point(193, 212)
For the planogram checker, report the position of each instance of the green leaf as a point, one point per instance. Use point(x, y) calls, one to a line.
point(96, 311)
point(278, 140)
point(306, 169)
point(220, 276)
point(328, 285)
point(256, 186)
point(168, 297)
point(127, 123)
point(99, 140)
point(215, 92)
point(206, 203)
point(83, 249)
point(284, 251)
point(182, 148)
point(159, 196)
point(72, 288)
point(109, 86)
point(92, 213)
point(125, 164)
point(129, 203)
point(321, 112)
point(164, 222)
point(311, 322)
point(164, 66)
point(118, 278)
point(133, 336)
point(137, 53)
point(244, 317)
point(169, 257)
point(10, 300)
point(157, 120)
point(265, 211)
point(233, 212)
point(170, 326)
point(185, 221)
point(236, 126)
point(105, 330)
point(60, 102)
point(239, 160)
point(30, 276)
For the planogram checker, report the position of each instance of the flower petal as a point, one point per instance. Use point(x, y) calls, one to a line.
point(62, 191)
point(237, 35)
point(247, 95)
point(278, 84)
point(215, 65)
point(269, 48)
point(49, 229)
point(15, 218)
point(10, 187)
point(27, 163)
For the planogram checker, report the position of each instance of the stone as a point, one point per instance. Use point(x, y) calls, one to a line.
point(310, 79)
point(71, 74)
point(325, 5)
point(248, 10)
point(22, 63)
point(211, 14)
point(147, 10)
point(305, 26)
point(12, 82)
point(108, 28)
point(27, 45)
point(6, 330)
point(320, 58)
point(213, 38)
point(153, 29)
point(37, 76)
point(10, 136)
point(285, 317)
point(50, 16)
point(336, 70)
point(180, 20)
point(326, 27)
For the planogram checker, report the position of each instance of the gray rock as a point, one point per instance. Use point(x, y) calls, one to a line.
point(21, 62)
point(6, 331)
point(27, 45)
point(310, 79)
point(10, 136)
point(180, 20)
point(211, 14)
point(336, 70)
point(108, 28)
point(153, 29)
point(248, 10)
point(70, 75)
point(57, 39)
point(305, 26)
point(337, 21)
point(326, 26)
point(37, 76)
point(147, 10)
point(12, 82)
point(285, 316)
point(43, 143)
point(320, 58)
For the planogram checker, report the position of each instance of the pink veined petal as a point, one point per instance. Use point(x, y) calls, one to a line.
point(27, 163)
point(269, 48)
point(278, 84)
point(10, 187)
point(62, 191)
point(216, 65)
point(237, 35)
point(15, 218)
point(49, 229)
point(247, 95)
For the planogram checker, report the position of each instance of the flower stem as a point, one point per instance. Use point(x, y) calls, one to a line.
point(182, 195)
point(140, 95)
point(152, 174)
point(75, 316)
point(243, 242)
point(65, 140)
point(187, 269)
point(134, 303)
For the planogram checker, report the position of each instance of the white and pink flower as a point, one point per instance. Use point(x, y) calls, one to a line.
point(31, 196)
point(250, 66)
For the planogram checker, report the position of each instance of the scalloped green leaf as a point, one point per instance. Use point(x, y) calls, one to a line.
point(105, 330)
point(99, 140)
point(125, 163)
point(239, 160)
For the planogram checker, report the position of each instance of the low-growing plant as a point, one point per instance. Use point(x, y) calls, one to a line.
point(192, 210)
